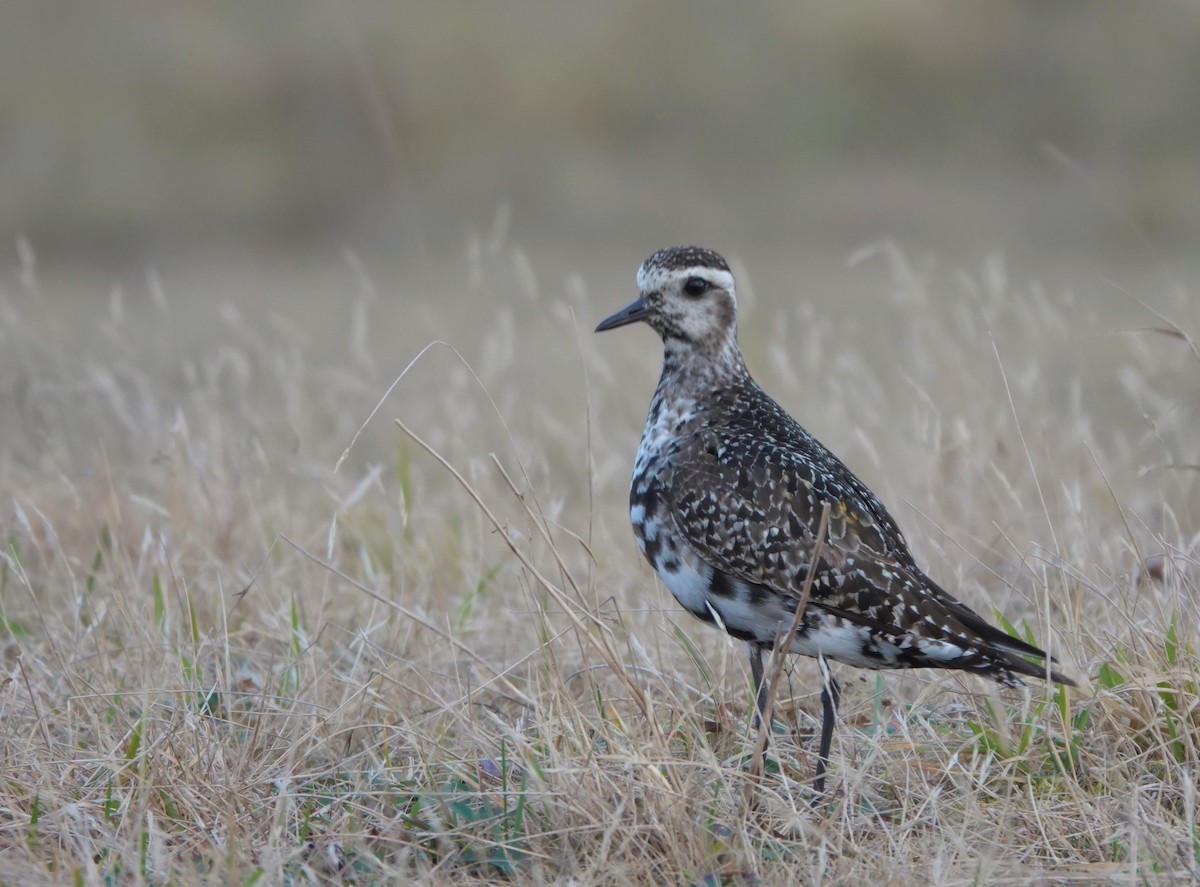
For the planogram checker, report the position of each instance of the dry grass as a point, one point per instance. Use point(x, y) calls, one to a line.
point(225, 662)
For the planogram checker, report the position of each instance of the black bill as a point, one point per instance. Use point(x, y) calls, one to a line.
point(631, 313)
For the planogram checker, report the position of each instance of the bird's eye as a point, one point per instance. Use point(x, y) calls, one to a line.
point(695, 286)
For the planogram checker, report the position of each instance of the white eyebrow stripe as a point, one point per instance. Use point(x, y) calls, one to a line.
point(655, 278)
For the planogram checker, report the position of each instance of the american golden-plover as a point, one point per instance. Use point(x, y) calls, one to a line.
point(726, 502)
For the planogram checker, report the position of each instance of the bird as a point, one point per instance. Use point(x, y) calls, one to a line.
point(747, 518)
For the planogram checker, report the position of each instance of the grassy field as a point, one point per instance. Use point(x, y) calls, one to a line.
point(445, 661)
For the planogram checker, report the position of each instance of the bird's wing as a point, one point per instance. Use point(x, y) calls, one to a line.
point(751, 508)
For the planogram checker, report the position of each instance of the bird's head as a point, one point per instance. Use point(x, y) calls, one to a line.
point(687, 295)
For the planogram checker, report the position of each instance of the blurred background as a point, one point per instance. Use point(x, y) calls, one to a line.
point(965, 235)
point(240, 149)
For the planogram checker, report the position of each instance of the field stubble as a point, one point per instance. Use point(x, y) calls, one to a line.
point(225, 661)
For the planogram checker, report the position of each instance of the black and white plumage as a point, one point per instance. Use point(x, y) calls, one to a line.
point(727, 494)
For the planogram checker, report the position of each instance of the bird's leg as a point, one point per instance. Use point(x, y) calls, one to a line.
point(831, 695)
point(760, 686)
point(762, 717)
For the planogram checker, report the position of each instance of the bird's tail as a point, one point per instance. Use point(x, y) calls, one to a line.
point(1012, 658)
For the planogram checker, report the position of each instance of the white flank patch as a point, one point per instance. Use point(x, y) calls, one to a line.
point(764, 621)
point(689, 585)
point(942, 651)
point(844, 642)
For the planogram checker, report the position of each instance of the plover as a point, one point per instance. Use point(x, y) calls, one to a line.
point(727, 495)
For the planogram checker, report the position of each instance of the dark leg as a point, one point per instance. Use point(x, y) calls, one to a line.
point(831, 695)
point(760, 685)
point(762, 717)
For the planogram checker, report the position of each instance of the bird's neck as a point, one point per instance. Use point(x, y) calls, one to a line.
point(694, 370)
